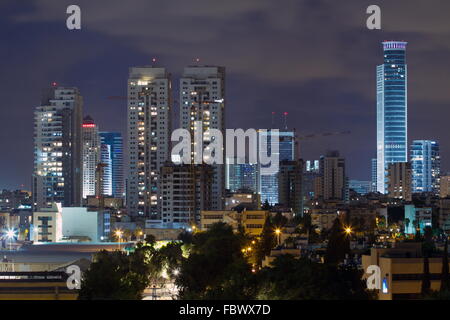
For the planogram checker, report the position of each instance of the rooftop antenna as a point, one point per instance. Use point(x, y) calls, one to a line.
point(285, 114)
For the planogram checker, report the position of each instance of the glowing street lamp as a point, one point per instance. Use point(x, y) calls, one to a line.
point(119, 233)
point(348, 230)
point(278, 232)
point(10, 235)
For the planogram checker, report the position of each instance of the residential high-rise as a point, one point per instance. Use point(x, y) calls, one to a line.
point(444, 189)
point(425, 165)
point(332, 184)
point(392, 113)
point(57, 175)
point(399, 180)
point(202, 100)
point(290, 185)
point(186, 191)
point(287, 150)
point(91, 155)
point(241, 176)
point(311, 172)
point(115, 142)
point(149, 131)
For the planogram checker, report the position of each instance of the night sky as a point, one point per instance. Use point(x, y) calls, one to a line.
point(314, 59)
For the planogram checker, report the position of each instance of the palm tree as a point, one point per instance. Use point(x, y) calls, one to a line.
point(407, 222)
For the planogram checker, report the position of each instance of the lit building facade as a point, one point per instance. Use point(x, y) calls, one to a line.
point(186, 190)
point(149, 130)
point(91, 155)
point(310, 174)
point(287, 151)
point(426, 166)
point(392, 110)
point(332, 183)
point(106, 179)
point(202, 100)
point(57, 174)
point(115, 142)
point(399, 180)
point(241, 176)
point(444, 189)
point(373, 186)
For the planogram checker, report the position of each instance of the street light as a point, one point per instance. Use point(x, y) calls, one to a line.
point(348, 230)
point(119, 234)
point(10, 234)
point(278, 232)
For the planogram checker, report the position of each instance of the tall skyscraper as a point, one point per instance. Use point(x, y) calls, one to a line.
point(287, 148)
point(373, 186)
point(332, 184)
point(149, 130)
point(106, 179)
point(392, 114)
point(202, 94)
point(115, 142)
point(425, 166)
point(91, 155)
point(57, 175)
point(290, 178)
point(311, 172)
point(241, 176)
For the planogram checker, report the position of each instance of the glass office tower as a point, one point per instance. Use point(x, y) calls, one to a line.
point(287, 148)
point(115, 142)
point(392, 109)
point(240, 176)
point(425, 165)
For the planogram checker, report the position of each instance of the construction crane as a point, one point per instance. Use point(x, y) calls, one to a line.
point(325, 134)
point(318, 135)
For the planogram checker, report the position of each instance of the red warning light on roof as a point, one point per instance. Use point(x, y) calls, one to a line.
point(285, 113)
point(54, 84)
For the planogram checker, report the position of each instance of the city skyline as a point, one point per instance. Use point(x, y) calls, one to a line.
point(259, 151)
point(348, 102)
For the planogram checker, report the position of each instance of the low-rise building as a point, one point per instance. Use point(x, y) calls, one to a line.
point(47, 224)
point(252, 221)
point(417, 218)
point(164, 231)
point(401, 270)
point(80, 222)
point(235, 199)
point(57, 224)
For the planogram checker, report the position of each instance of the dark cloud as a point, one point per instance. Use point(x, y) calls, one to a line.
point(314, 59)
